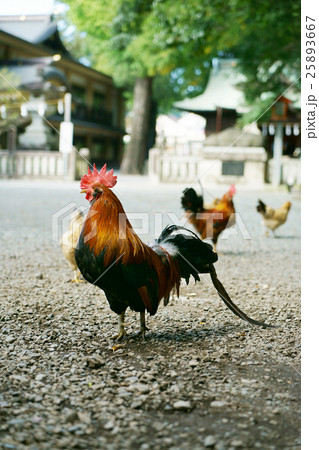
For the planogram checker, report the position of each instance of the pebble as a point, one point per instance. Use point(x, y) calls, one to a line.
point(140, 387)
point(95, 362)
point(72, 416)
point(218, 404)
point(20, 378)
point(40, 377)
point(182, 405)
point(109, 425)
point(210, 441)
point(136, 404)
point(193, 363)
point(237, 443)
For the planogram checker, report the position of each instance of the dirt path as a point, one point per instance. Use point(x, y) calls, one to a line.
point(202, 379)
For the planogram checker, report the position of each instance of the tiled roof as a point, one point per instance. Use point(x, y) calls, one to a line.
point(221, 90)
point(33, 29)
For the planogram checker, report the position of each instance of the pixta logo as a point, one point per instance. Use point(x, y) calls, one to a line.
point(67, 223)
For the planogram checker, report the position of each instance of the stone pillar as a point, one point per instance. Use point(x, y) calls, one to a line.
point(278, 145)
point(37, 135)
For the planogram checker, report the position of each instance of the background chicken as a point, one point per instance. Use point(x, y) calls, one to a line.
point(273, 218)
point(132, 274)
point(69, 240)
point(209, 221)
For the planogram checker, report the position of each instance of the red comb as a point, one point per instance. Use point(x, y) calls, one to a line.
point(232, 190)
point(106, 178)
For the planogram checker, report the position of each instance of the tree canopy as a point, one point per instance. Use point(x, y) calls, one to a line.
point(175, 42)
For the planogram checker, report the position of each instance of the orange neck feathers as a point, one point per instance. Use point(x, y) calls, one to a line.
point(107, 229)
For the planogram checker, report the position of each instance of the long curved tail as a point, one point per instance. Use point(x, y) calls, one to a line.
point(195, 257)
point(230, 304)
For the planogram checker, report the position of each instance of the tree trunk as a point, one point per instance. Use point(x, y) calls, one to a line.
point(134, 155)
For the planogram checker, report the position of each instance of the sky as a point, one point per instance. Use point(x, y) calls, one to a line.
point(24, 7)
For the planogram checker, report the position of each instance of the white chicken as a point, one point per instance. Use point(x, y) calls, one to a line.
point(69, 240)
point(273, 218)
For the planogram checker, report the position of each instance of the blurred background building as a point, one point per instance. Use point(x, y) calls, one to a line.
point(222, 151)
point(39, 71)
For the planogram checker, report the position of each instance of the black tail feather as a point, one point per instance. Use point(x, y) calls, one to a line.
point(170, 229)
point(191, 201)
point(261, 207)
point(194, 256)
point(229, 303)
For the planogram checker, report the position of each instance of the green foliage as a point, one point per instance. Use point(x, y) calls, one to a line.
point(265, 37)
point(12, 100)
point(137, 38)
point(8, 82)
point(175, 42)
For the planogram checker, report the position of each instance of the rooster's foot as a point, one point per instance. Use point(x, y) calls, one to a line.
point(142, 333)
point(143, 327)
point(119, 336)
point(76, 278)
point(121, 332)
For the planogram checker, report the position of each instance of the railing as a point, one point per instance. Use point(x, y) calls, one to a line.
point(290, 170)
point(37, 163)
point(172, 167)
point(85, 114)
point(42, 164)
point(209, 165)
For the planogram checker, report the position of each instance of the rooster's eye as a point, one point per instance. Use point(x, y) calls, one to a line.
point(96, 192)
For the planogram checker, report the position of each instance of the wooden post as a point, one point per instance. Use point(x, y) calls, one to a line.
point(12, 146)
point(219, 113)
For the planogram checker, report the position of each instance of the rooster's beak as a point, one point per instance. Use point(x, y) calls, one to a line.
point(84, 191)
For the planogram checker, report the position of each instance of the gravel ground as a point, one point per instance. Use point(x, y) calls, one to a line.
point(202, 378)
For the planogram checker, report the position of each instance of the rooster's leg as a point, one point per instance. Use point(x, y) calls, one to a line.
point(143, 327)
point(121, 332)
point(76, 278)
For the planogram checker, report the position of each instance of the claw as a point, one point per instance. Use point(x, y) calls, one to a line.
point(142, 333)
point(121, 332)
point(119, 336)
point(143, 327)
point(77, 280)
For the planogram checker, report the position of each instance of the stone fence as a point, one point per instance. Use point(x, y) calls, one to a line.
point(213, 165)
point(41, 164)
point(220, 165)
point(290, 170)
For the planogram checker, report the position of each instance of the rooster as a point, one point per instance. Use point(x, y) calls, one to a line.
point(69, 240)
point(132, 274)
point(209, 221)
point(273, 218)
